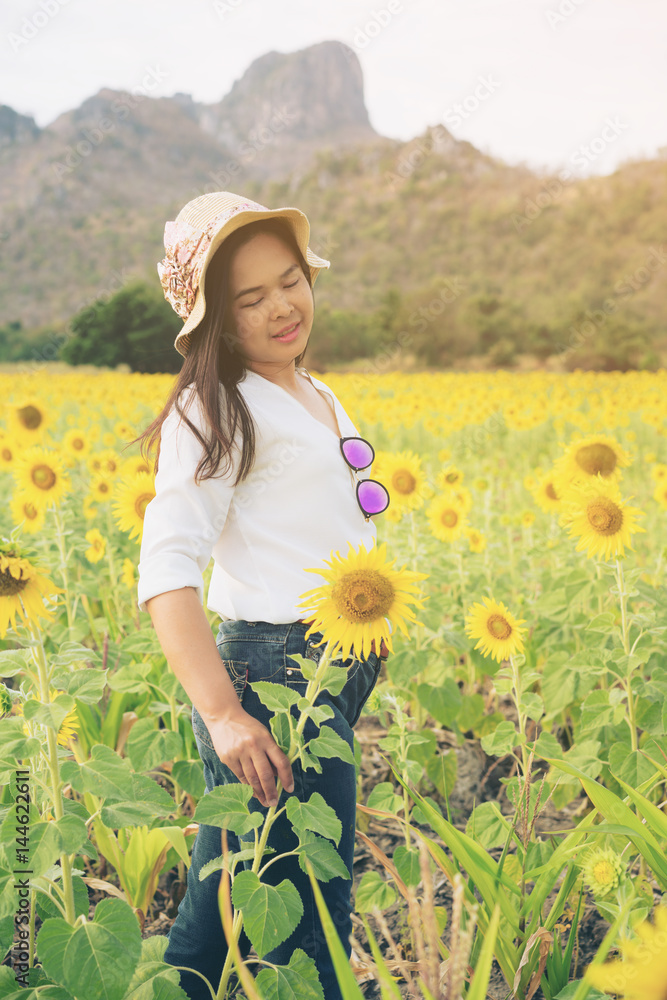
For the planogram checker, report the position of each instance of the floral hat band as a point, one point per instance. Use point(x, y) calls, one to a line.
point(192, 238)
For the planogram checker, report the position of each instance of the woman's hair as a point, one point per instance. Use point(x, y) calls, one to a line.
point(211, 360)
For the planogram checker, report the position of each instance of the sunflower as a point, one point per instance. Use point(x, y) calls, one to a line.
point(7, 451)
point(406, 481)
point(40, 476)
point(97, 546)
point(660, 494)
point(547, 497)
point(24, 512)
point(132, 497)
point(68, 727)
point(596, 513)
point(497, 630)
point(659, 472)
point(527, 518)
point(127, 575)
point(362, 592)
point(476, 540)
point(22, 588)
point(75, 445)
point(101, 488)
point(642, 973)
point(28, 418)
point(603, 870)
point(589, 457)
point(447, 518)
point(449, 477)
point(105, 463)
point(136, 463)
point(124, 430)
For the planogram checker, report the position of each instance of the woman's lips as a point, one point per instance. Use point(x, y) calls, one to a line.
point(290, 335)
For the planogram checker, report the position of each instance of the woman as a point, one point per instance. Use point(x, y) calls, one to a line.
point(256, 474)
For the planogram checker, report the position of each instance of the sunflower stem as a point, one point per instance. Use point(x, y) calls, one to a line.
point(39, 657)
point(112, 566)
point(516, 688)
point(63, 561)
point(622, 595)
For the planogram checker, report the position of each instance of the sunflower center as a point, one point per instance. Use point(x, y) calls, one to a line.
point(603, 873)
point(594, 458)
point(403, 481)
point(77, 444)
point(550, 491)
point(363, 595)
point(30, 511)
point(141, 503)
point(604, 516)
point(7, 454)
point(103, 488)
point(452, 477)
point(43, 477)
point(9, 585)
point(498, 626)
point(449, 518)
point(30, 417)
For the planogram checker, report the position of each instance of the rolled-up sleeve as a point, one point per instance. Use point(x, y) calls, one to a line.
point(184, 519)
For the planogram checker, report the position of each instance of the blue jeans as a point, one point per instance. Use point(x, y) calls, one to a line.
point(259, 651)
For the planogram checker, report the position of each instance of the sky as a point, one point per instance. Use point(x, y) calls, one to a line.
point(572, 85)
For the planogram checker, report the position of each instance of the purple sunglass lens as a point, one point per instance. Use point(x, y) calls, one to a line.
point(373, 497)
point(358, 453)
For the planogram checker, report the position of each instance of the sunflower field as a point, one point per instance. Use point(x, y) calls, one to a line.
point(511, 761)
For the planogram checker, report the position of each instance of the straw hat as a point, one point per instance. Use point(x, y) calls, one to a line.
point(193, 237)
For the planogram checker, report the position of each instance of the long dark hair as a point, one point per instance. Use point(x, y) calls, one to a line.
point(211, 361)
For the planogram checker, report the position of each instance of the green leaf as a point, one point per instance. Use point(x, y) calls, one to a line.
point(47, 908)
point(315, 815)
point(318, 713)
point(190, 775)
point(442, 770)
point(442, 702)
point(323, 856)
point(329, 744)
point(384, 797)
point(86, 685)
point(406, 860)
point(487, 825)
point(533, 705)
point(297, 981)
point(49, 714)
point(70, 653)
point(629, 765)
point(603, 622)
point(227, 806)
point(275, 697)
point(148, 746)
point(334, 679)
point(270, 913)
point(503, 740)
point(373, 893)
point(105, 774)
point(96, 960)
point(13, 661)
point(281, 730)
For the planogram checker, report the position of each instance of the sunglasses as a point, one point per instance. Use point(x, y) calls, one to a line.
point(372, 497)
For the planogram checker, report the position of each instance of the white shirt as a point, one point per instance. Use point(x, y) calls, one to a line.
point(296, 508)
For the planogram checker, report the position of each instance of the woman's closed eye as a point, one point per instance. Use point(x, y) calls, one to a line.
point(247, 306)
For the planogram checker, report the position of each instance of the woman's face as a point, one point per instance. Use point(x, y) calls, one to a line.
point(268, 293)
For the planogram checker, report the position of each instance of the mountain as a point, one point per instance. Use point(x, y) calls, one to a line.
point(473, 251)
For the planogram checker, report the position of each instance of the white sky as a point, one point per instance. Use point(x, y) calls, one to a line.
point(558, 69)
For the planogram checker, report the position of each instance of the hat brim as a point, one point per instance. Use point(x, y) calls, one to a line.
point(301, 229)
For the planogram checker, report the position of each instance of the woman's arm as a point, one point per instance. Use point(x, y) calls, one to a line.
point(241, 742)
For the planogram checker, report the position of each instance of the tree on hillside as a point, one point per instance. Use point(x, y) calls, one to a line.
point(136, 326)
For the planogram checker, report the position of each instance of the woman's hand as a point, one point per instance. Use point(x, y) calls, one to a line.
point(250, 751)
